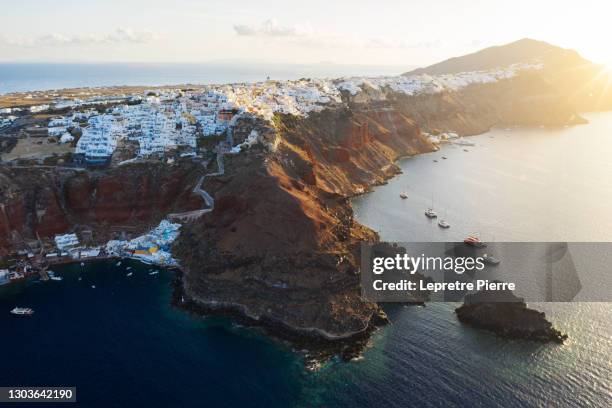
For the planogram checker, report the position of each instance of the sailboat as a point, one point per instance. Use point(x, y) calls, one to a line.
point(490, 259)
point(442, 223)
point(430, 213)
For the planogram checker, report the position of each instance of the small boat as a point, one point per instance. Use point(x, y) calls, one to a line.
point(490, 259)
point(463, 142)
point(56, 278)
point(442, 223)
point(93, 286)
point(443, 157)
point(465, 150)
point(153, 273)
point(22, 311)
point(128, 268)
point(473, 240)
point(435, 161)
point(118, 263)
point(129, 274)
point(82, 263)
point(404, 196)
point(80, 279)
point(430, 213)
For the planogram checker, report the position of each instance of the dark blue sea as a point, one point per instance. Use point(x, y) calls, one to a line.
point(18, 77)
point(123, 345)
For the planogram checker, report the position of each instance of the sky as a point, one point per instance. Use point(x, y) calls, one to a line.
point(380, 32)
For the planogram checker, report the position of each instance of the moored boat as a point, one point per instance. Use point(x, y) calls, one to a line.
point(490, 259)
point(473, 240)
point(22, 311)
point(430, 212)
point(443, 224)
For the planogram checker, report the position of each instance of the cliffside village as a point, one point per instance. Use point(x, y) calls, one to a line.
point(165, 122)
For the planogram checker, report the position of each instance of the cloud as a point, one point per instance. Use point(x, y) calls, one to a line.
point(271, 28)
point(119, 36)
point(307, 36)
point(401, 44)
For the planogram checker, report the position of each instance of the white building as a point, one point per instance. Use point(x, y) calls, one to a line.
point(66, 241)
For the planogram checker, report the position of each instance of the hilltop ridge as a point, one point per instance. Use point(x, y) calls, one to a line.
point(580, 82)
point(521, 51)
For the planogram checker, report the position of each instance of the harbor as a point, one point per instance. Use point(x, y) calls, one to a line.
point(152, 248)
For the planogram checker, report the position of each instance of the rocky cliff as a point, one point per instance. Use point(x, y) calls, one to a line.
point(39, 202)
point(281, 245)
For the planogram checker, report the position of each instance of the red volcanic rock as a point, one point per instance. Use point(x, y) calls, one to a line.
point(41, 202)
point(283, 231)
point(340, 155)
point(309, 177)
point(230, 203)
point(52, 219)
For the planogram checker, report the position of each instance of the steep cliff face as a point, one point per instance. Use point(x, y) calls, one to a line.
point(281, 245)
point(41, 202)
point(526, 99)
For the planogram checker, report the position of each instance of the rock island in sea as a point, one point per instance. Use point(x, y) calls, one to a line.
point(507, 315)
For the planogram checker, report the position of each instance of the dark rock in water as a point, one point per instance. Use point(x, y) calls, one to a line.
point(508, 316)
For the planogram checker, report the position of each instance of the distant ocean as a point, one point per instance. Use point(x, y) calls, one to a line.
point(43, 76)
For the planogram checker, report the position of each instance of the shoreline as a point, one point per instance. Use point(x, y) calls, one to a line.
point(312, 347)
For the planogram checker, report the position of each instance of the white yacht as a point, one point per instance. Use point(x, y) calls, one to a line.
point(430, 212)
point(443, 224)
point(22, 311)
point(462, 142)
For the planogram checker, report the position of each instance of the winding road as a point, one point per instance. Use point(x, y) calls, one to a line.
point(208, 200)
